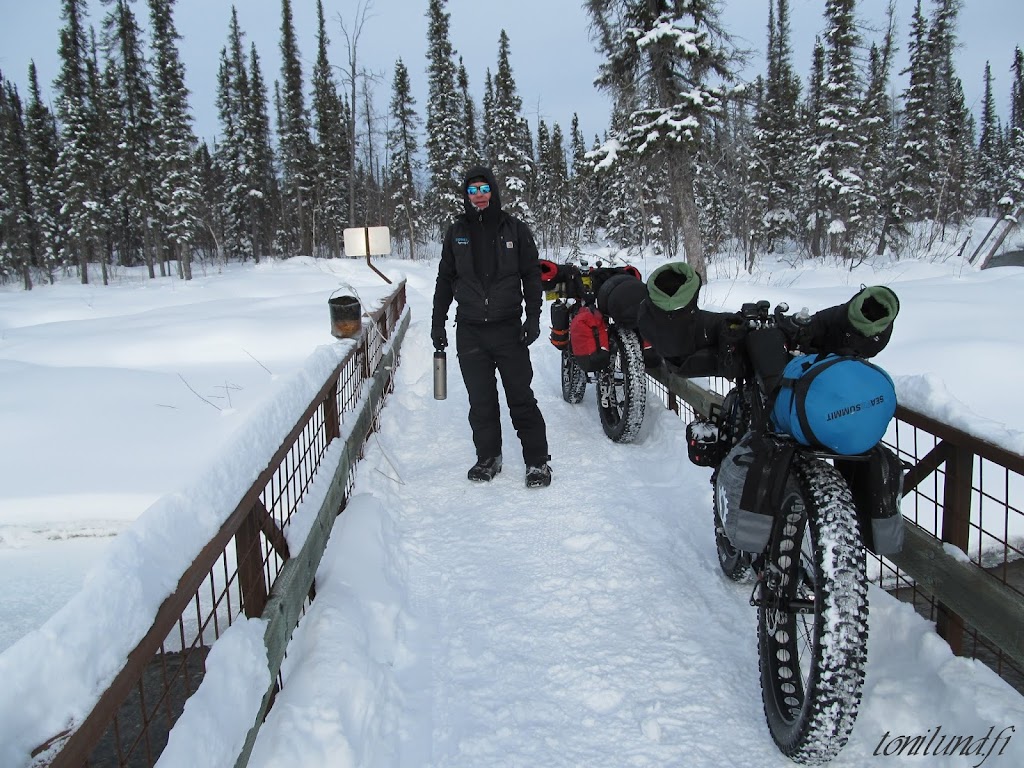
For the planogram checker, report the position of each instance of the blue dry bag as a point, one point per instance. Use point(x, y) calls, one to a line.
point(843, 404)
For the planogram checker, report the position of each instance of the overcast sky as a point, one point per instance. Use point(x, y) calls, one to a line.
point(553, 59)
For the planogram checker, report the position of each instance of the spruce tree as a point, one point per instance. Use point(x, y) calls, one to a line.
point(133, 173)
point(838, 152)
point(7, 257)
point(487, 136)
point(1013, 180)
point(719, 203)
point(510, 138)
point(957, 127)
point(619, 187)
point(561, 197)
point(17, 234)
point(989, 144)
point(295, 144)
point(403, 148)
point(42, 141)
point(232, 101)
point(1017, 91)
point(775, 160)
point(445, 133)
point(812, 197)
point(954, 139)
point(332, 147)
point(581, 212)
point(77, 171)
point(474, 154)
point(265, 193)
point(957, 200)
point(663, 61)
point(544, 196)
point(877, 129)
point(116, 237)
point(178, 190)
point(7, 266)
point(911, 186)
point(210, 238)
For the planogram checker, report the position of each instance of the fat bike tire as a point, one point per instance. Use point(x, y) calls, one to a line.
point(574, 379)
point(812, 660)
point(622, 387)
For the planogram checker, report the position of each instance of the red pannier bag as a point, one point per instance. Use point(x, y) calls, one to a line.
point(588, 338)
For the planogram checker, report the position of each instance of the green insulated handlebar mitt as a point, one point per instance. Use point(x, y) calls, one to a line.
point(674, 286)
point(862, 326)
point(872, 310)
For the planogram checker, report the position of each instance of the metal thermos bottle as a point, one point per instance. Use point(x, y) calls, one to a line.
point(440, 375)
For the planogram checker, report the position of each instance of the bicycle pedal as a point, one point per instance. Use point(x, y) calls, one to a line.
point(757, 594)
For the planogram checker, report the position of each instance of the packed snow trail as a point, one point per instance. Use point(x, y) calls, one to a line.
point(585, 624)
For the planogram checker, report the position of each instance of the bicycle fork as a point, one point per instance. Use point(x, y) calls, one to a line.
point(775, 588)
point(605, 387)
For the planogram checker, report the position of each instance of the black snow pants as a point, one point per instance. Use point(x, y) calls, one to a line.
point(484, 349)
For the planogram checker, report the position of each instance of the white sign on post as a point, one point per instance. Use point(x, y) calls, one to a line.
point(367, 241)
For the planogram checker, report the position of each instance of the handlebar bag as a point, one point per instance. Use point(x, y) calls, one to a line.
point(840, 403)
point(588, 339)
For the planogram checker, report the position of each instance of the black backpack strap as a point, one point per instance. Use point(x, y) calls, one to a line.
point(800, 387)
point(785, 382)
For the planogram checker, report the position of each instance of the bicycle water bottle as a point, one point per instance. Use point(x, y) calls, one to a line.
point(440, 375)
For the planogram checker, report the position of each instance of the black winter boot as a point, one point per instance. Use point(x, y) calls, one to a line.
point(485, 469)
point(538, 477)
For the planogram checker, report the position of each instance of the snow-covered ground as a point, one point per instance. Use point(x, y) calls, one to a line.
point(455, 624)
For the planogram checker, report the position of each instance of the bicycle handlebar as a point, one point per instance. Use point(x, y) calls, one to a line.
point(759, 316)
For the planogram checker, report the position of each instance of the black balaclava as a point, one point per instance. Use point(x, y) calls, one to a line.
point(483, 225)
point(485, 173)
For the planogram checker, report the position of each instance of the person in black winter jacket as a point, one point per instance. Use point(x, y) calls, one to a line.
point(489, 266)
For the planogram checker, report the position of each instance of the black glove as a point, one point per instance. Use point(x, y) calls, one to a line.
point(531, 330)
point(439, 337)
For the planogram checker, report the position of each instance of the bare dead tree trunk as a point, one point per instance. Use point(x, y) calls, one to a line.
point(351, 76)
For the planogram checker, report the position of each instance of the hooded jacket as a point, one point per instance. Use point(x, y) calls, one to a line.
point(516, 275)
